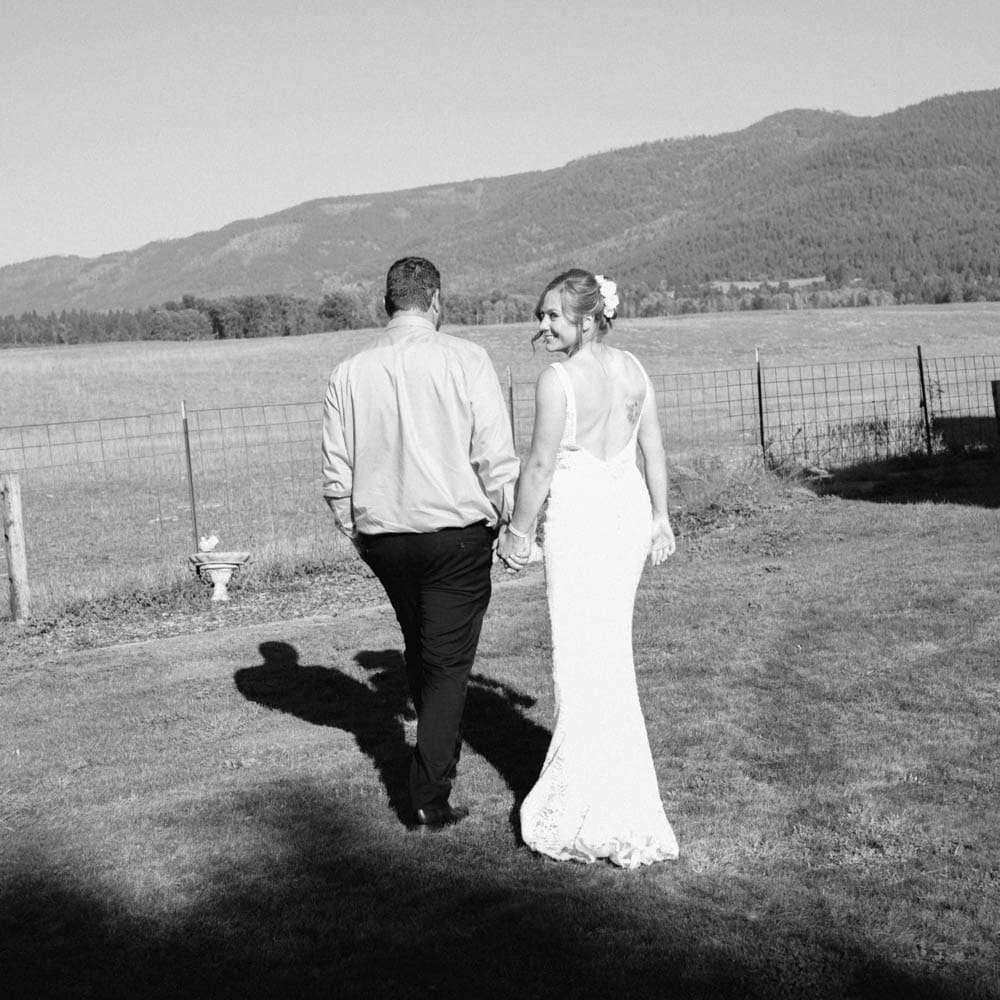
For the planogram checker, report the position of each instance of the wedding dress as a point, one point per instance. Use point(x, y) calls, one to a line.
point(597, 796)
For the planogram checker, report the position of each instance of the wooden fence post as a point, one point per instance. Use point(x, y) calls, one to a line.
point(13, 537)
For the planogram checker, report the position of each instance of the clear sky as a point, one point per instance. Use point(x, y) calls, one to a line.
point(127, 121)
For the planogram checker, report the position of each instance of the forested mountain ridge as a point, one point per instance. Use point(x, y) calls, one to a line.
point(892, 200)
point(897, 200)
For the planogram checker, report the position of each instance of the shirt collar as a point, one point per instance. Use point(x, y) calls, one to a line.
point(409, 320)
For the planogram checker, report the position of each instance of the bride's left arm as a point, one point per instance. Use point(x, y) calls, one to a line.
point(654, 461)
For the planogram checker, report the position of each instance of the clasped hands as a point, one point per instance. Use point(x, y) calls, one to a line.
point(513, 549)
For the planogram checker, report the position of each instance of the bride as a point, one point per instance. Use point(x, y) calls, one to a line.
point(597, 796)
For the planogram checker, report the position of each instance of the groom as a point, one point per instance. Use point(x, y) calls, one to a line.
point(418, 468)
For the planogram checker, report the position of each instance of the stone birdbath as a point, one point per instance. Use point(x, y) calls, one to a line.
point(218, 565)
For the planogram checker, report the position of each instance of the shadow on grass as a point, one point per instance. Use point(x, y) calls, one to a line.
point(306, 904)
point(972, 480)
point(494, 723)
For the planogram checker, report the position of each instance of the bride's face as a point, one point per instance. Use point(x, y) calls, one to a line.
point(559, 334)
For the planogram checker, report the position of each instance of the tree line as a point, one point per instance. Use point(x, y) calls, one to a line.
point(194, 318)
point(281, 315)
point(243, 316)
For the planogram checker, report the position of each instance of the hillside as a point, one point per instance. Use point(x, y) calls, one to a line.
point(896, 200)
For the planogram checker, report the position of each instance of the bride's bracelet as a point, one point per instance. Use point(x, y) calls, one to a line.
point(515, 532)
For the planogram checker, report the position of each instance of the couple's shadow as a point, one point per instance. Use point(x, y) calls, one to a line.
point(494, 724)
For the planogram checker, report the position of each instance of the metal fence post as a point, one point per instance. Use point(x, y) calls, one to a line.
point(760, 405)
point(923, 402)
point(190, 475)
point(510, 407)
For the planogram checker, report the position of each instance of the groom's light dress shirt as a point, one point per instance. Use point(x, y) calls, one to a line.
point(416, 435)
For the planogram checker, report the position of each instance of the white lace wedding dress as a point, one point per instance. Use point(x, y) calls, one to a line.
point(597, 796)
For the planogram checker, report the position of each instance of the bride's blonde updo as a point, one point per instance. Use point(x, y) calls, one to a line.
point(580, 294)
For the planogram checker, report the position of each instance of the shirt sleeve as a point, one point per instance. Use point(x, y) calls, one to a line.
point(338, 460)
point(492, 448)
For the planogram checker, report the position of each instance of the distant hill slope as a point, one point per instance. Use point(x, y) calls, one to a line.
point(891, 199)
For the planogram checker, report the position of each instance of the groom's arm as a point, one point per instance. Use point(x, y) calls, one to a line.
point(491, 449)
point(338, 472)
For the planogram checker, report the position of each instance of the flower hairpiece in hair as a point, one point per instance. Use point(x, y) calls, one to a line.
point(609, 292)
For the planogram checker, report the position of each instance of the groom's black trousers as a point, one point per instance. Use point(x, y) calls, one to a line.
point(439, 586)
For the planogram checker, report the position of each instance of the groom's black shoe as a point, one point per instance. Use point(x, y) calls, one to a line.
point(438, 817)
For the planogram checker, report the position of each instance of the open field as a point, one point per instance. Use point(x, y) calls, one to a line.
point(217, 813)
point(107, 502)
point(45, 385)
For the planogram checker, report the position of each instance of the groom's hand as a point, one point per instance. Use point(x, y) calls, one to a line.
point(514, 551)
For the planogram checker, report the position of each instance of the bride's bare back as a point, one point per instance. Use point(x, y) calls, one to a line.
point(610, 389)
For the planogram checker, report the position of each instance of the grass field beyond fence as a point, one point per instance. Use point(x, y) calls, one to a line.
point(107, 502)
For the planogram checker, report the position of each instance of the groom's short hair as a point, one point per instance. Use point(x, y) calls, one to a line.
point(411, 284)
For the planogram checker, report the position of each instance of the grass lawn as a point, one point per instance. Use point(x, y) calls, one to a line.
point(217, 814)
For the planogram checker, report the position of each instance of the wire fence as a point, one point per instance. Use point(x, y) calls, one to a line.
point(118, 503)
point(113, 505)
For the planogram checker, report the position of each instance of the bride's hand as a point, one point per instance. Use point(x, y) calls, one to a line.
point(514, 551)
point(663, 542)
